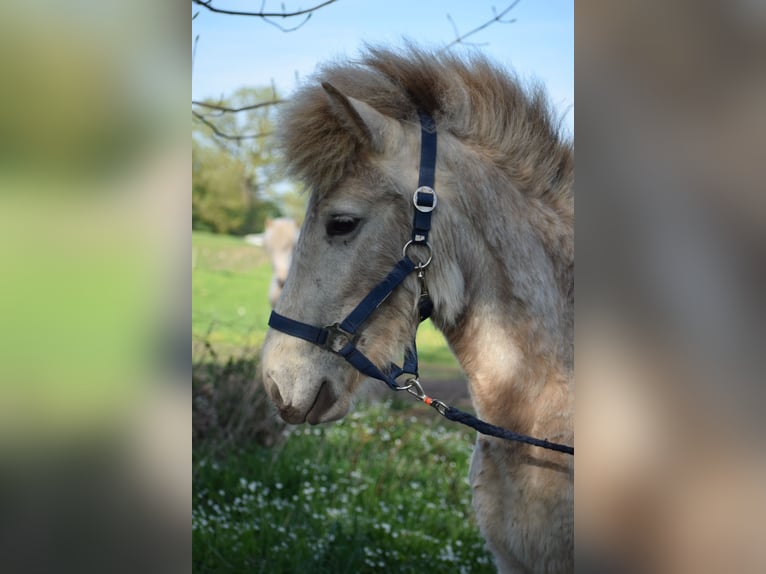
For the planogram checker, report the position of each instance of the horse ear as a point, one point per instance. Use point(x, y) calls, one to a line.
point(367, 123)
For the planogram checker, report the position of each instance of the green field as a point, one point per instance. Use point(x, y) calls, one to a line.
point(230, 283)
point(230, 307)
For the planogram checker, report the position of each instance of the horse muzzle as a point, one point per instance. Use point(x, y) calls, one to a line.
point(325, 406)
point(297, 383)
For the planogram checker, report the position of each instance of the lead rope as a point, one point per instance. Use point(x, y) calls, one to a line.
point(414, 387)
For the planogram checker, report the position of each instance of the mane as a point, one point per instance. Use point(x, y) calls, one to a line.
point(478, 102)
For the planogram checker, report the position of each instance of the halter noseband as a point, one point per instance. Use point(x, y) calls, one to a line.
point(340, 338)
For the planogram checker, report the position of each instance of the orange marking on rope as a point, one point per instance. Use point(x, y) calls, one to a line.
point(427, 400)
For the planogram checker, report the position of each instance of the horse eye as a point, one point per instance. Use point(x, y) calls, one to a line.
point(342, 225)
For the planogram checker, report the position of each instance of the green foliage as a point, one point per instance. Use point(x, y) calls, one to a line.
point(233, 180)
point(219, 190)
point(229, 407)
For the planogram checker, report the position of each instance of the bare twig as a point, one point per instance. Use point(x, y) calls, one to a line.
point(228, 110)
point(292, 29)
point(459, 38)
point(497, 18)
point(224, 135)
point(261, 14)
point(194, 50)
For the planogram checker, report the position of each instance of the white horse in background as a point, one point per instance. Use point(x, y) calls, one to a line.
point(501, 279)
point(279, 239)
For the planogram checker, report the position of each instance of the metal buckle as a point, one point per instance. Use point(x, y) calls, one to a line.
point(424, 208)
point(337, 338)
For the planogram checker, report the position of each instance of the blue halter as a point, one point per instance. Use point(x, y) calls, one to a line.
point(340, 338)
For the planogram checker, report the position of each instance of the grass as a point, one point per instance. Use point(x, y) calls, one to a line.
point(230, 282)
point(381, 490)
point(384, 489)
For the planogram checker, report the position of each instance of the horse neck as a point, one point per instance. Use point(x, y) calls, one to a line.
point(513, 332)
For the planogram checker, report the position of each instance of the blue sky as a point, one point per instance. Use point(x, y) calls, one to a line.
point(236, 51)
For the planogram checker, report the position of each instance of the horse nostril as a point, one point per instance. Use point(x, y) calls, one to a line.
point(323, 402)
point(276, 397)
point(281, 283)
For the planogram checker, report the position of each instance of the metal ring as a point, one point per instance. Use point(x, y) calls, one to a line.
point(420, 265)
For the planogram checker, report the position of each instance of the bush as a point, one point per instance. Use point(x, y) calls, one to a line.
point(230, 407)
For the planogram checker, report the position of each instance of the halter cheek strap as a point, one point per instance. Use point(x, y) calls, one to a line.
point(425, 197)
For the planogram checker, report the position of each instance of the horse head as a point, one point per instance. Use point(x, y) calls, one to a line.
point(353, 234)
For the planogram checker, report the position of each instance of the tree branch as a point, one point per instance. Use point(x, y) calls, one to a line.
point(228, 110)
point(292, 29)
point(224, 135)
point(497, 18)
point(209, 5)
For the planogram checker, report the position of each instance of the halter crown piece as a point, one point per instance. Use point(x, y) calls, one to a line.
point(340, 338)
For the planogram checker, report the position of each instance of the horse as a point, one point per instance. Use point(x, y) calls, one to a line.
point(279, 239)
point(501, 278)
